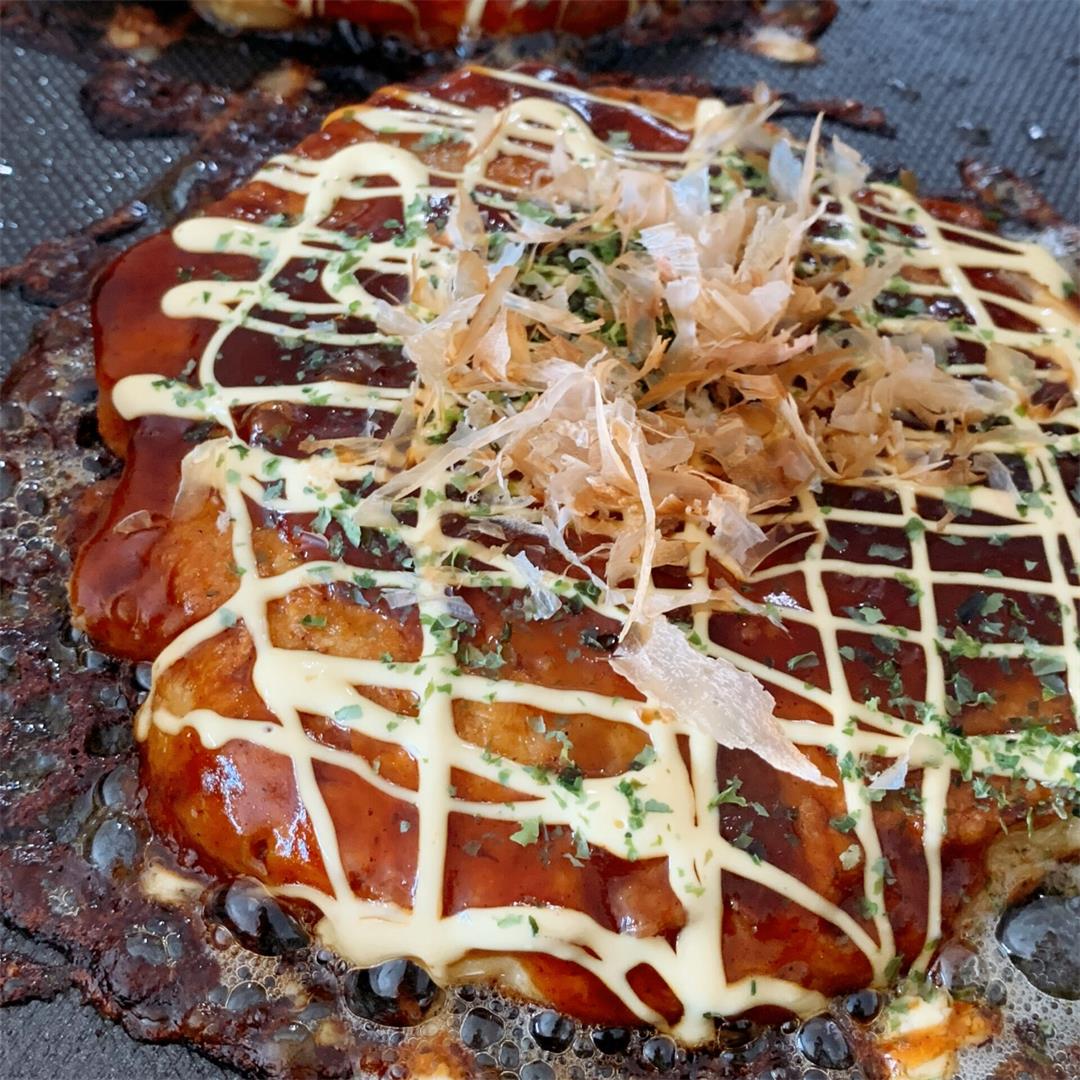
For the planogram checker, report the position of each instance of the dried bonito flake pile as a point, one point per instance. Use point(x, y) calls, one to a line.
point(644, 360)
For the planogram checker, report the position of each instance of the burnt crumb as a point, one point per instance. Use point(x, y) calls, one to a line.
point(60, 354)
point(235, 132)
point(1047, 143)
point(55, 272)
point(846, 111)
point(68, 30)
point(975, 135)
point(905, 90)
point(808, 19)
point(146, 30)
point(22, 979)
point(892, 172)
point(1001, 191)
point(125, 98)
point(276, 112)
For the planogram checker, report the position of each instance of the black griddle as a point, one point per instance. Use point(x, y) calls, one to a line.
point(993, 79)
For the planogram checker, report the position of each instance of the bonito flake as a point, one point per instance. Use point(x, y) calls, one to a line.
point(711, 695)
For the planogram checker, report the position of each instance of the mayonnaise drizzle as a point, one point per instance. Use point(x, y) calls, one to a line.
point(294, 681)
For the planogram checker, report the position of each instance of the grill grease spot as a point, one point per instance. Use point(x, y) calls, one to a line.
point(397, 993)
point(863, 1005)
point(659, 1052)
point(109, 738)
point(822, 1042)
point(552, 1031)
point(245, 996)
point(480, 1028)
point(115, 844)
point(256, 919)
point(1040, 938)
point(612, 1040)
point(537, 1070)
point(9, 477)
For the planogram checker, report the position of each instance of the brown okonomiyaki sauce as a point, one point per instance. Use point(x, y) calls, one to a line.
point(137, 591)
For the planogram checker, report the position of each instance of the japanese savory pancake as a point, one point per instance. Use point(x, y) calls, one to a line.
point(587, 540)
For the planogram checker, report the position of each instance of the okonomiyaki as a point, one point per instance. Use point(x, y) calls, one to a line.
point(591, 542)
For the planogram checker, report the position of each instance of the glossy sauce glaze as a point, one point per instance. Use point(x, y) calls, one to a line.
point(459, 783)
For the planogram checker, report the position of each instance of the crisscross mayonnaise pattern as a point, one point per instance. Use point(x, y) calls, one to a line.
point(292, 682)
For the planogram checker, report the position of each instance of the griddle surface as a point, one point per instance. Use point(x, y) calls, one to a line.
point(945, 72)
